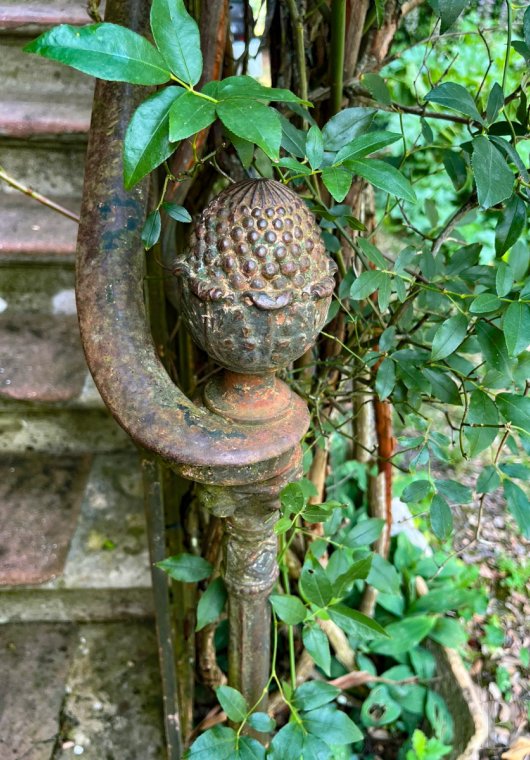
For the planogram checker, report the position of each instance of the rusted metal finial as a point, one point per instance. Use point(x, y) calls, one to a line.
point(254, 290)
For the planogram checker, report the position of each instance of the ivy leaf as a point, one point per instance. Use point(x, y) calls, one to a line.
point(176, 212)
point(495, 103)
point(147, 143)
point(293, 498)
point(186, 567)
point(518, 505)
point(218, 742)
point(344, 126)
point(313, 694)
point(482, 411)
point(252, 121)
point(151, 229)
point(211, 604)
point(107, 51)
point(337, 180)
point(355, 623)
point(382, 175)
point(385, 379)
point(510, 225)
point(456, 98)
point(516, 327)
point(515, 409)
point(314, 147)
point(441, 518)
point(317, 644)
point(289, 608)
point(233, 703)
point(177, 37)
point(493, 177)
point(364, 145)
point(366, 284)
point(503, 279)
point(448, 337)
point(188, 115)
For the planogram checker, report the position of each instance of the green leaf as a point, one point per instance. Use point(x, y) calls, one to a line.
point(443, 600)
point(366, 284)
point(344, 126)
point(482, 411)
point(295, 166)
point(293, 139)
point(315, 585)
point(337, 180)
point(186, 567)
point(151, 229)
point(314, 147)
point(147, 143)
point(372, 253)
point(526, 26)
point(313, 694)
point(488, 480)
point(443, 387)
point(515, 470)
point(493, 177)
point(357, 571)
point(288, 608)
point(379, 709)
point(211, 604)
point(485, 303)
point(416, 491)
point(233, 703)
point(107, 51)
point(503, 279)
point(385, 379)
point(288, 742)
point(244, 149)
point(456, 98)
point(441, 518)
point(510, 225)
point(176, 212)
point(515, 409)
point(495, 103)
point(332, 725)
point(252, 121)
point(355, 623)
point(383, 576)
point(218, 742)
point(448, 337)
point(382, 175)
point(261, 722)
point(454, 491)
point(364, 145)
point(441, 720)
point(250, 749)
point(377, 88)
point(316, 749)
point(456, 168)
point(449, 11)
point(404, 635)
point(365, 532)
point(518, 505)
point(293, 498)
point(248, 88)
point(449, 633)
point(317, 644)
point(516, 327)
point(177, 37)
point(188, 115)
point(493, 347)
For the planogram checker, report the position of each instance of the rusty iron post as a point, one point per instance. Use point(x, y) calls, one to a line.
point(254, 289)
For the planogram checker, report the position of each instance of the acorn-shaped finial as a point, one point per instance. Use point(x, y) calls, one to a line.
point(256, 281)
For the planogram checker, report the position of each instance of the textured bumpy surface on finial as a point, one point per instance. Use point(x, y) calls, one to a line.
point(256, 280)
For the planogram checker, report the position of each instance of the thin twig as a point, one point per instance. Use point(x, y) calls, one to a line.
point(37, 196)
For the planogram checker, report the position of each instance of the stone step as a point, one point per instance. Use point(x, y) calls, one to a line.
point(55, 170)
point(31, 232)
point(31, 120)
point(73, 539)
point(29, 17)
point(80, 690)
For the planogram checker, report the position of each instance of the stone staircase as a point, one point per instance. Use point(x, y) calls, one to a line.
point(78, 664)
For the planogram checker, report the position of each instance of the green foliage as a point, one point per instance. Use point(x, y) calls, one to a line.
point(186, 567)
